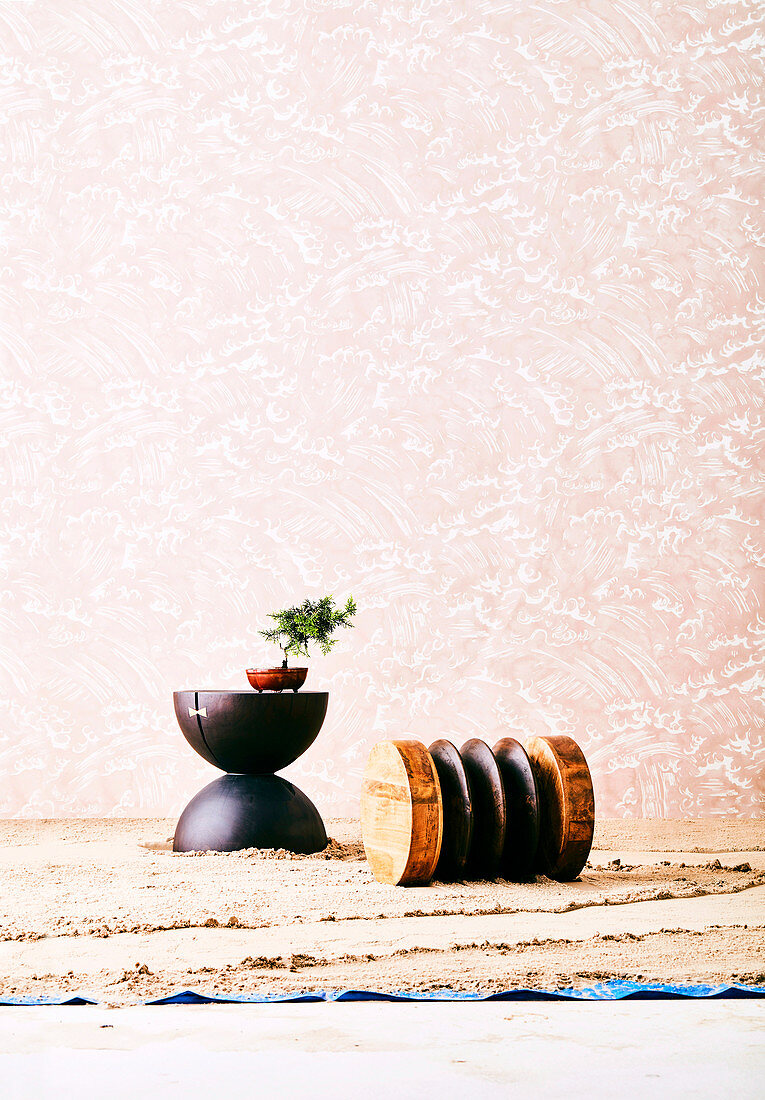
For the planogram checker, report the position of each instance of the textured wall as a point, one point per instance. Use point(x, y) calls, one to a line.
point(452, 306)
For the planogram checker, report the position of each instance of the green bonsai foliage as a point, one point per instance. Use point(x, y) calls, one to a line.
point(313, 621)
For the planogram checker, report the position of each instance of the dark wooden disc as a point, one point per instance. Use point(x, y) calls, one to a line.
point(566, 806)
point(488, 794)
point(458, 811)
point(522, 833)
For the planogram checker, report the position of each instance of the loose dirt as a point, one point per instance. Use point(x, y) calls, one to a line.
point(104, 907)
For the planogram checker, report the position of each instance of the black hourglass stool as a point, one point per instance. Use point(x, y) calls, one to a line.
point(250, 736)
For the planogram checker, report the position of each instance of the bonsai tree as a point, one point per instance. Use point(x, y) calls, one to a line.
point(313, 621)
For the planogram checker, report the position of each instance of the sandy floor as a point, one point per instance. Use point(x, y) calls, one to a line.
point(104, 907)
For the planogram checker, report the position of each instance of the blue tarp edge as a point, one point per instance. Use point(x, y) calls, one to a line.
point(617, 990)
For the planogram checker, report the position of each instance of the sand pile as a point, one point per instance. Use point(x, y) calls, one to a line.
point(106, 907)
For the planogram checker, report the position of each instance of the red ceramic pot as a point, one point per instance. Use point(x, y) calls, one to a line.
point(276, 679)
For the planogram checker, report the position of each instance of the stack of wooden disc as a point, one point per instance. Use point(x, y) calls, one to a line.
point(476, 813)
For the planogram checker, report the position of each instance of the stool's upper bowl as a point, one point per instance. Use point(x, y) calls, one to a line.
point(250, 733)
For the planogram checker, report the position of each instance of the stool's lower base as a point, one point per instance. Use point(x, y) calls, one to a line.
point(250, 811)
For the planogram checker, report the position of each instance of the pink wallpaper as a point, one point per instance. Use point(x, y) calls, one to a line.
point(451, 306)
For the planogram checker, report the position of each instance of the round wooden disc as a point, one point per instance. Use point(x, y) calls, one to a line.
point(522, 835)
point(458, 811)
point(566, 806)
point(488, 795)
point(401, 813)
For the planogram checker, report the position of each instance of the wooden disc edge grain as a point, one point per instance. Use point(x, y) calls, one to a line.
point(412, 785)
point(567, 805)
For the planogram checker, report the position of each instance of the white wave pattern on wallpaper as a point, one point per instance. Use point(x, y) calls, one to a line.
point(452, 306)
